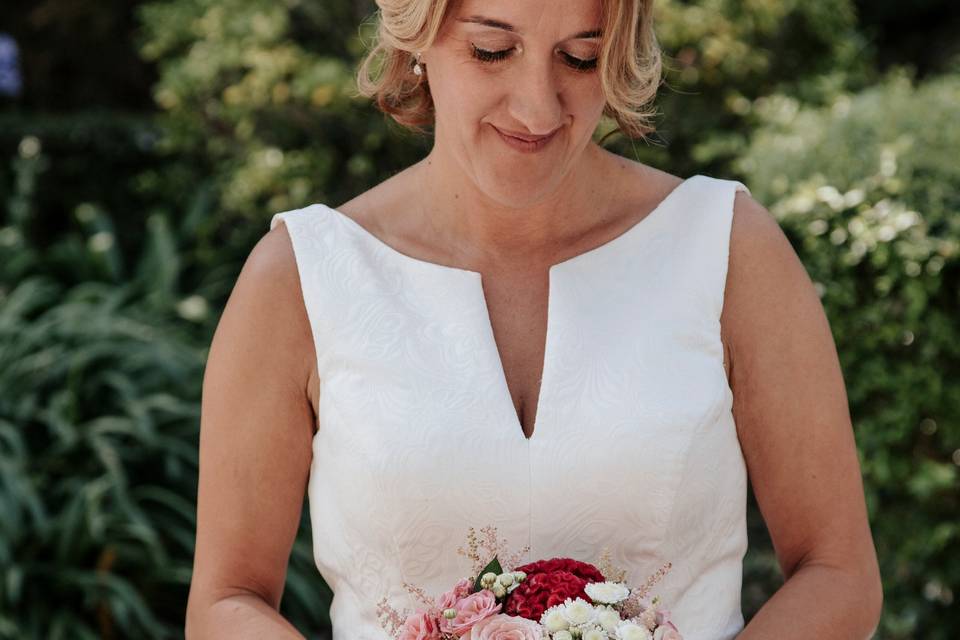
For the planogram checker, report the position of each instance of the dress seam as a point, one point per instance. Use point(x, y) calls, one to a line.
point(707, 419)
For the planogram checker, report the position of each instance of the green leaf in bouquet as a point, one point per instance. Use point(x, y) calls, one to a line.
point(494, 566)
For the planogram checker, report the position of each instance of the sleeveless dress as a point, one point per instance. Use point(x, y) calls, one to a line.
point(634, 446)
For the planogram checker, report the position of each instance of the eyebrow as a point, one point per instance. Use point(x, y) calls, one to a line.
point(490, 22)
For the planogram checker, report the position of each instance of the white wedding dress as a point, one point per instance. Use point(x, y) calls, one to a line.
point(634, 447)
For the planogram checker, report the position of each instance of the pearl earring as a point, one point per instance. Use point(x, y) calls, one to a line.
point(417, 69)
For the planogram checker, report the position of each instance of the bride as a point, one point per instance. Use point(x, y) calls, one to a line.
point(527, 331)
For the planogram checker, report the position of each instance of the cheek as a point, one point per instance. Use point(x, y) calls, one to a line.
point(585, 95)
point(463, 90)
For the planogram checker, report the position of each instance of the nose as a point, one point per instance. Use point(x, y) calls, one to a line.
point(536, 101)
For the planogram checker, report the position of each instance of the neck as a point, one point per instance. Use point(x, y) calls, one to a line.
point(520, 225)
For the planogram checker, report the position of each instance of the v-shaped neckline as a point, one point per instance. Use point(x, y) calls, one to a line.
point(516, 425)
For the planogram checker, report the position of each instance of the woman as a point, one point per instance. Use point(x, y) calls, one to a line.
point(528, 331)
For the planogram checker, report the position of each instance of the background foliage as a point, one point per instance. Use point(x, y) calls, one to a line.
point(134, 179)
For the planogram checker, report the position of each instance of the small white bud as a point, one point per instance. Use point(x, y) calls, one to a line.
point(498, 590)
point(506, 579)
point(488, 579)
point(519, 576)
point(450, 613)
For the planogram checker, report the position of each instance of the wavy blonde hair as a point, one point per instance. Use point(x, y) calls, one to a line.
point(629, 62)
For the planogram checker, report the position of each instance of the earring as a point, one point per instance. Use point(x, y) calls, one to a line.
point(417, 69)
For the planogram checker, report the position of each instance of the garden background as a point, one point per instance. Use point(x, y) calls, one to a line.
point(144, 146)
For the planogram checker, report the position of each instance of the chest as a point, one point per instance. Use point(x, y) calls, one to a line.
point(517, 311)
point(518, 316)
point(423, 416)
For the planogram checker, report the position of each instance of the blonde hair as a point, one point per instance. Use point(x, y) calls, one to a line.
point(629, 62)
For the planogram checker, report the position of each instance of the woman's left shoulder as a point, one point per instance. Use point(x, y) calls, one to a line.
point(766, 281)
point(759, 249)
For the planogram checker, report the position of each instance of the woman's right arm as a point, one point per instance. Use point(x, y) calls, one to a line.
point(256, 430)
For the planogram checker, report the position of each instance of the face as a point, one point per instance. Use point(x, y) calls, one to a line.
point(481, 83)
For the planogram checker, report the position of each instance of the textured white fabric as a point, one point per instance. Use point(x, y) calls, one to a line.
point(634, 447)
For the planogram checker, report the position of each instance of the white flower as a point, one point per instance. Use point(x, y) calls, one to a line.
point(607, 592)
point(562, 635)
point(554, 620)
point(609, 619)
point(579, 611)
point(632, 631)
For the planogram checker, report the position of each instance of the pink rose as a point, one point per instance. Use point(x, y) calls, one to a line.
point(461, 590)
point(667, 632)
point(420, 626)
point(504, 627)
point(470, 610)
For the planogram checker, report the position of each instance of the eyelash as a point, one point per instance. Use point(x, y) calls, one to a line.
point(498, 56)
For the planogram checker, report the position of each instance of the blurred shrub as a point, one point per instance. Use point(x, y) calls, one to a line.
point(262, 90)
point(89, 156)
point(101, 370)
point(99, 177)
point(722, 54)
point(868, 190)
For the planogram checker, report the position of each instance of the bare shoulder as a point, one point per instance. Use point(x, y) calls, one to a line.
point(764, 271)
point(273, 256)
point(272, 268)
point(268, 298)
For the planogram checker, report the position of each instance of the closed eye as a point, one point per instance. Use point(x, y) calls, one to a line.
point(578, 64)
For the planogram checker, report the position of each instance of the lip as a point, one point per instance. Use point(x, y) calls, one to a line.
point(521, 142)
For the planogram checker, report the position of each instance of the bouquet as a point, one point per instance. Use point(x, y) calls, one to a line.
point(559, 599)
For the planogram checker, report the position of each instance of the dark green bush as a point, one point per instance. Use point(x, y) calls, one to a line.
point(101, 371)
point(868, 190)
